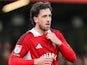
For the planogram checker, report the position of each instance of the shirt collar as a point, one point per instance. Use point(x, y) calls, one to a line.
point(35, 33)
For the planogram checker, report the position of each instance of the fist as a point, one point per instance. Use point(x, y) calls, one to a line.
point(54, 38)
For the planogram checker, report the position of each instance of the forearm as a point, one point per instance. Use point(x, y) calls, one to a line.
point(13, 60)
point(68, 53)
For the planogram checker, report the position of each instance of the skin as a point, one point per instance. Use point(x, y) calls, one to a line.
point(43, 21)
point(43, 24)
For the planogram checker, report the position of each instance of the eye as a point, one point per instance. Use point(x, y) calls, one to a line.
point(50, 15)
point(44, 16)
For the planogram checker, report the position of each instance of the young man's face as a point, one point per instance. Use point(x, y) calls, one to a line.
point(43, 20)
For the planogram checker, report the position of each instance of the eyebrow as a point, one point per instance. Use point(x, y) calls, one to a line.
point(46, 15)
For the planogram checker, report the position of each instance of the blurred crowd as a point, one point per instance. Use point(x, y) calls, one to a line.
point(5, 51)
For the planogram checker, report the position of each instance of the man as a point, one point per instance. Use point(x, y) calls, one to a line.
point(41, 44)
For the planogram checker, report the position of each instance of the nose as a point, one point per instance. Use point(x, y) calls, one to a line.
point(48, 19)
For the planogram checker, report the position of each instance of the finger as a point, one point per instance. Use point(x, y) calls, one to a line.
point(48, 63)
point(48, 36)
point(49, 59)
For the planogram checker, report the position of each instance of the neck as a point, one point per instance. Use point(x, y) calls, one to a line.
point(40, 31)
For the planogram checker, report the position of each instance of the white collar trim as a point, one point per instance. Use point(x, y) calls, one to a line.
point(35, 33)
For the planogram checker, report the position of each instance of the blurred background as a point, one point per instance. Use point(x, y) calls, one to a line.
point(69, 16)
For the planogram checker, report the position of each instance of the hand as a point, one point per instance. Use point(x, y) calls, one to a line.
point(54, 38)
point(43, 61)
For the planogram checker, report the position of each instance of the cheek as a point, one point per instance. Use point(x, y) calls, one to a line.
point(42, 21)
point(50, 19)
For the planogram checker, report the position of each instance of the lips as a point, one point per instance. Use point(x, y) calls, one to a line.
point(47, 24)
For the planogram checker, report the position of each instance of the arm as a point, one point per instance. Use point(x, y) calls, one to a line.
point(19, 52)
point(14, 60)
point(66, 50)
point(58, 39)
point(68, 53)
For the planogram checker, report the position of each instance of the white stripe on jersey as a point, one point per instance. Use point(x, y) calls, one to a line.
point(28, 56)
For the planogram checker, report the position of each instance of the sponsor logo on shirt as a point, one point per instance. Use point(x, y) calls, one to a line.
point(38, 46)
point(50, 55)
point(17, 50)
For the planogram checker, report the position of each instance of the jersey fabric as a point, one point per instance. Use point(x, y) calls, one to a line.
point(32, 45)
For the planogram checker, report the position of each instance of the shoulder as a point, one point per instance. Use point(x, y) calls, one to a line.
point(24, 37)
point(56, 31)
point(27, 35)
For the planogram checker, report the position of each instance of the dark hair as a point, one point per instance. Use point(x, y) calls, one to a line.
point(37, 7)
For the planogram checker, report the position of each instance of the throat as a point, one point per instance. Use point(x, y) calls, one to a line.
point(41, 32)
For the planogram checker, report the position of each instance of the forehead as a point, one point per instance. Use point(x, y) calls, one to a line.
point(45, 11)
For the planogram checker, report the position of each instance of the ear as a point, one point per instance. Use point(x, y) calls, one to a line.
point(35, 19)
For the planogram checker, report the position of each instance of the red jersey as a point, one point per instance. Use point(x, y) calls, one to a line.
point(32, 45)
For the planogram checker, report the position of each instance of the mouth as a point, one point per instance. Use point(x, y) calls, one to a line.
point(47, 24)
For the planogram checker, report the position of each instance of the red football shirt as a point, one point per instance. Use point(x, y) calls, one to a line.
point(32, 45)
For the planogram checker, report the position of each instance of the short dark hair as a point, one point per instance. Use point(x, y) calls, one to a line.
point(37, 7)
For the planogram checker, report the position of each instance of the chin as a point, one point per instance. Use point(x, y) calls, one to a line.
point(46, 29)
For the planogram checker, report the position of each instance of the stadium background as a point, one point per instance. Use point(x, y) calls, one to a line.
point(69, 16)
